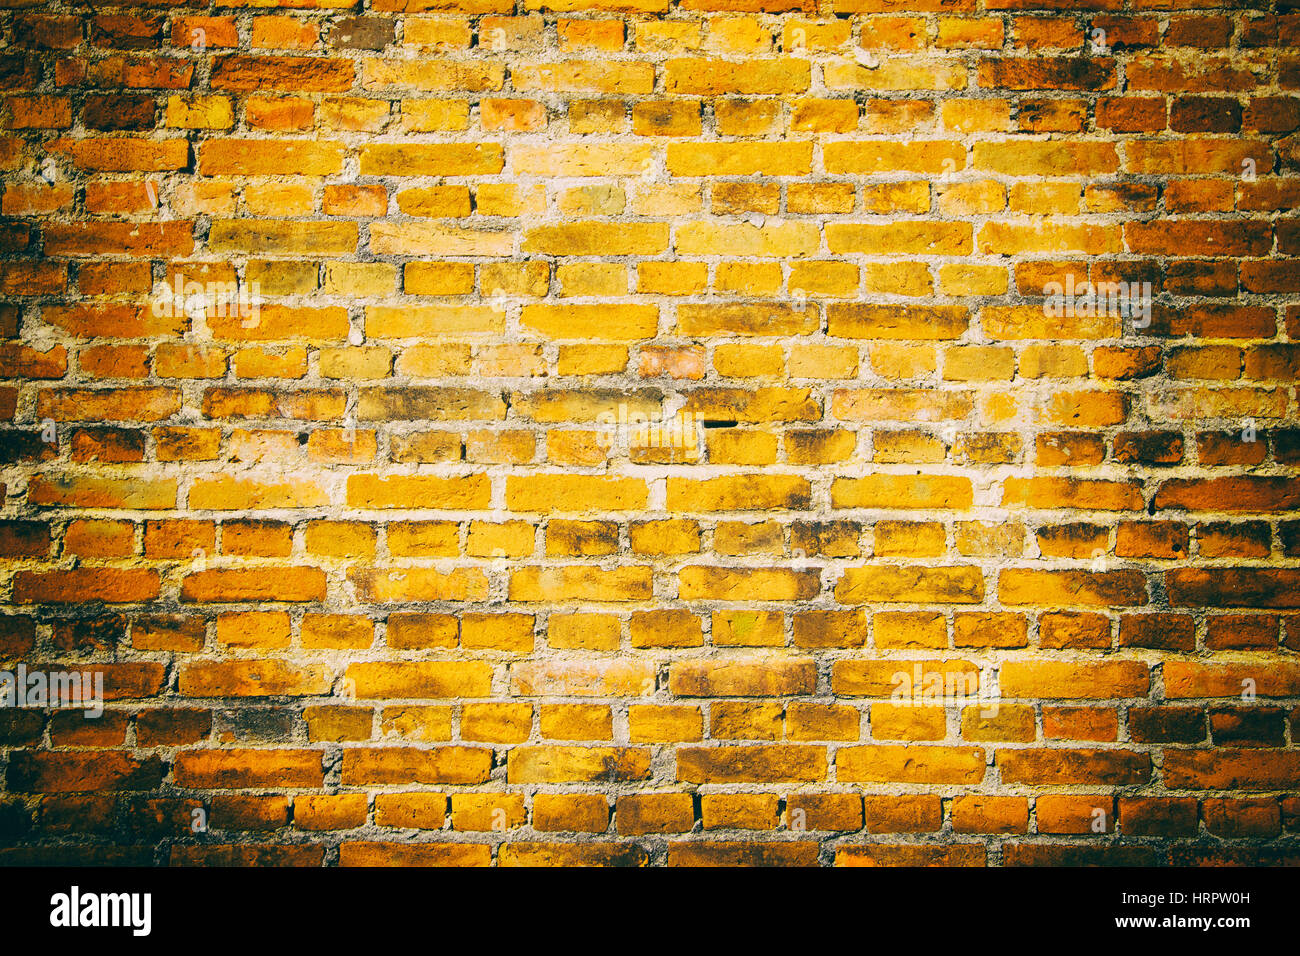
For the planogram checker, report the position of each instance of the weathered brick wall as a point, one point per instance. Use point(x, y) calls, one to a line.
point(362, 534)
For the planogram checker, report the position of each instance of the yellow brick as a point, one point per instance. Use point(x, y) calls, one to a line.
point(898, 278)
point(600, 322)
point(498, 632)
point(666, 628)
point(809, 198)
point(577, 722)
point(824, 116)
point(438, 278)
point(757, 277)
point(667, 36)
point(437, 33)
point(509, 199)
point(592, 632)
point(903, 361)
point(582, 159)
point(603, 200)
point(1045, 198)
point(500, 539)
point(530, 279)
point(487, 811)
point(592, 279)
point(963, 279)
point(597, 116)
point(354, 113)
point(979, 363)
point(745, 361)
point(824, 278)
point(672, 278)
point(591, 359)
point(360, 279)
point(664, 723)
point(971, 198)
point(769, 240)
point(432, 116)
point(355, 363)
point(740, 117)
point(574, 812)
point(749, 628)
point(672, 199)
point(1053, 361)
point(823, 362)
point(977, 116)
point(435, 201)
point(597, 238)
point(891, 722)
point(200, 112)
point(496, 722)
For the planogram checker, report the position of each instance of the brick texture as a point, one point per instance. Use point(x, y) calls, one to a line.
point(538, 433)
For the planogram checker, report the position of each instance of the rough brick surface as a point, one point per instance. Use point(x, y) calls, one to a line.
point(495, 433)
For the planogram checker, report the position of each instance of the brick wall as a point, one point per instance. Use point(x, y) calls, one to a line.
point(473, 432)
